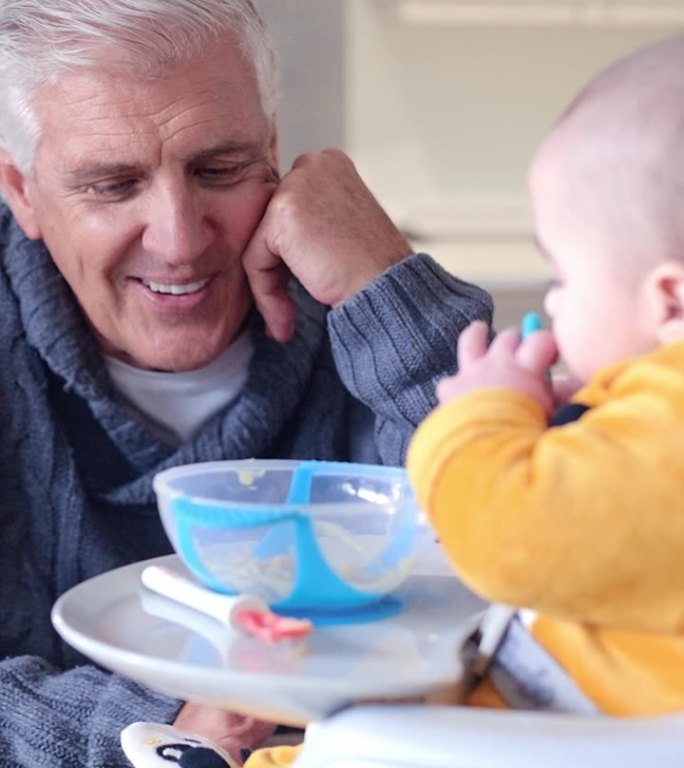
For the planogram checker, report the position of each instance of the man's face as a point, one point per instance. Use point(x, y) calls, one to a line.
point(146, 194)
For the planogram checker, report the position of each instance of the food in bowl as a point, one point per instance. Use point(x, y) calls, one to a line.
point(303, 536)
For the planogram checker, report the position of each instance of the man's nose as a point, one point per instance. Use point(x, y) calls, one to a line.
point(177, 225)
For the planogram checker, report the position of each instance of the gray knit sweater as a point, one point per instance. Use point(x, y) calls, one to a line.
point(76, 469)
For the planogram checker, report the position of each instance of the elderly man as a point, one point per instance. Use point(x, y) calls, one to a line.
point(167, 298)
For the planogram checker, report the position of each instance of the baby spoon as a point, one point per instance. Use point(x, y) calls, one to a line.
point(243, 613)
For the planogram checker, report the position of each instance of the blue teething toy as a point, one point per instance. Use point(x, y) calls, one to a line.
point(531, 322)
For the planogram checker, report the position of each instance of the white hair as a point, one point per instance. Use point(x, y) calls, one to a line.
point(43, 39)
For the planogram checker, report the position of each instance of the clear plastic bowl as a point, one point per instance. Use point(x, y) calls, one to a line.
point(307, 537)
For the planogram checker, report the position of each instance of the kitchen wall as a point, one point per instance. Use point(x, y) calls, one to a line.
point(310, 38)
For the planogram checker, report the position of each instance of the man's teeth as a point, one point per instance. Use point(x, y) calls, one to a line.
point(176, 290)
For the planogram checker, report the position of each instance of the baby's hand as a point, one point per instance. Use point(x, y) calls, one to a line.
point(508, 363)
point(564, 387)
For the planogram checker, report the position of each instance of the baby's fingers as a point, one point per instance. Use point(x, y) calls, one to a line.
point(537, 352)
point(505, 343)
point(472, 343)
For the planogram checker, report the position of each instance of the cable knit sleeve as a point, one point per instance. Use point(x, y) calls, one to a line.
point(44, 712)
point(396, 338)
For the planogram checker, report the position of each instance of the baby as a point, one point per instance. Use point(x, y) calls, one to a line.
point(580, 526)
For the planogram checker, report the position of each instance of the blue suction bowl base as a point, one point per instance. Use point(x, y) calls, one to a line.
point(386, 607)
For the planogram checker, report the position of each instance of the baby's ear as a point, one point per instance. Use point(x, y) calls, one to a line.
point(664, 293)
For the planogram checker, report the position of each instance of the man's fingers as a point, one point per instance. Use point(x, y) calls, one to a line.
point(233, 731)
point(279, 314)
point(268, 278)
point(274, 302)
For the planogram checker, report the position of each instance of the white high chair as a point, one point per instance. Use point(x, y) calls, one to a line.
point(415, 736)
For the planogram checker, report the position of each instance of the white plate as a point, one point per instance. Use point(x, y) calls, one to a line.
point(119, 624)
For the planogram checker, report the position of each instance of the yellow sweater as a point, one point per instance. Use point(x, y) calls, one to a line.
point(583, 523)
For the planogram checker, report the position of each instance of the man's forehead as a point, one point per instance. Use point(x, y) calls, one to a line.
point(100, 94)
point(193, 116)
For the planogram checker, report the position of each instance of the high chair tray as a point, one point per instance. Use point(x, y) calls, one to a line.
point(116, 622)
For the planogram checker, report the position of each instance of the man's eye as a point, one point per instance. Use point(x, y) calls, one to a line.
point(113, 189)
point(259, 169)
point(220, 176)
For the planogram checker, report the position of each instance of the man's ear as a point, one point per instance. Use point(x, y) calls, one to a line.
point(14, 189)
point(664, 292)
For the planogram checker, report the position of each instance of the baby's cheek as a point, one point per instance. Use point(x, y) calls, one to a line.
point(551, 301)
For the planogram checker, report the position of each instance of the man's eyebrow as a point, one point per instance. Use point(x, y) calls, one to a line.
point(94, 171)
point(230, 148)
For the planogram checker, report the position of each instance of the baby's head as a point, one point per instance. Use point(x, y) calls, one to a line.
point(607, 188)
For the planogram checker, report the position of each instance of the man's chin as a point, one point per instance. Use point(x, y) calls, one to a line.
point(175, 358)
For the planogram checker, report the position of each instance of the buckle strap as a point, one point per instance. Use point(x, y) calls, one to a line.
point(523, 672)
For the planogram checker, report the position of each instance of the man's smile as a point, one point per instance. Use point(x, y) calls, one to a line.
point(176, 289)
